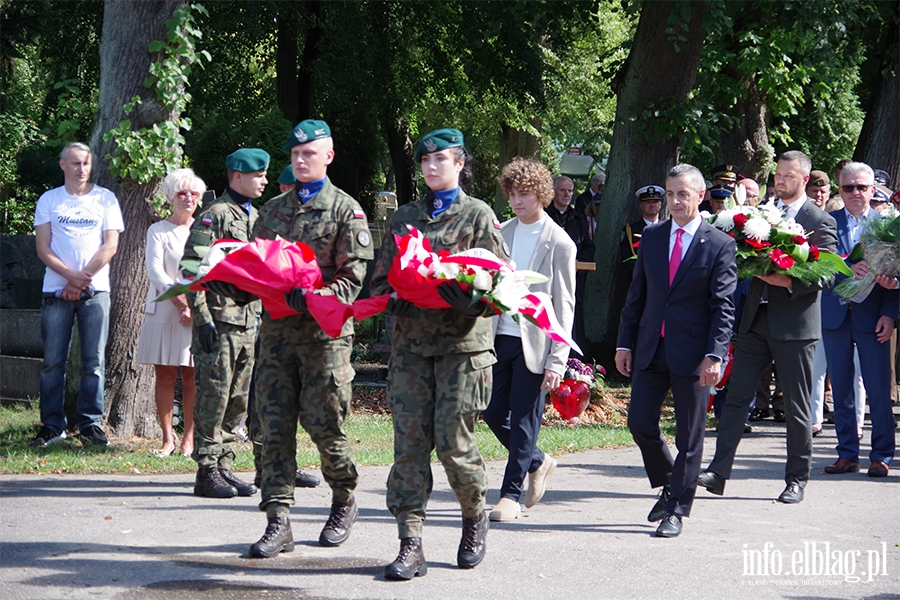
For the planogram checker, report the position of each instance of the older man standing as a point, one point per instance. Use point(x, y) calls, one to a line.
point(781, 320)
point(77, 230)
point(866, 326)
point(674, 333)
point(224, 332)
point(576, 225)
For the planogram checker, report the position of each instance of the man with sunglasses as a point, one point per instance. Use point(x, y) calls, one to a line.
point(780, 320)
point(866, 325)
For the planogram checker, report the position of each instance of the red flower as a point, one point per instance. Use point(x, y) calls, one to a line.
point(799, 240)
point(731, 233)
point(781, 260)
point(813, 253)
point(740, 220)
point(758, 244)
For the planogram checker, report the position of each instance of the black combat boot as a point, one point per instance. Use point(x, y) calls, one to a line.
point(243, 488)
point(472, 545)
point(277, 539)
point(305, 480)
point(209, 483)
point(409, 563)
point(341, 519)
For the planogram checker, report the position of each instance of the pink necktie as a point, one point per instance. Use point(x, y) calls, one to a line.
point(675, 259)
point(674, 262)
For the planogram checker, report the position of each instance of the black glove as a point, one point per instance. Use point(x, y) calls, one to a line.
point(398, 306)
point(209, 336)
point(229, 290)
point(461, 300)
point(296, 300)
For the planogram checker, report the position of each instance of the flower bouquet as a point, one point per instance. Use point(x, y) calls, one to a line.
point(768, 243)
point(417, 272)
point(574, 392)
point(879, 244)
point(266, 269)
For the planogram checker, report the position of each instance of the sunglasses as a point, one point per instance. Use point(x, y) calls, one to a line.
point(862, 187)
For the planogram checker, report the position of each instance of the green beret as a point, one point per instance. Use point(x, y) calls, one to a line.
point(287, 176)
point(307, 131)
point(439, 139)
point(247, 160)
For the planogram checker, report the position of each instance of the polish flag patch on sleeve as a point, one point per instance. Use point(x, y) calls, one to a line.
point(206, 221)
point(496, 224)
point(358, 214)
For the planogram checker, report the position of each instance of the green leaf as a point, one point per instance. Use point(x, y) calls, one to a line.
point(155, 46)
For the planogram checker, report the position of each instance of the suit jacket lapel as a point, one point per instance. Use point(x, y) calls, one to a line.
point(541, 248)
point(843, 231)
point(693, 251)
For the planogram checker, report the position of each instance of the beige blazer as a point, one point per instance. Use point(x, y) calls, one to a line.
point(554, 256)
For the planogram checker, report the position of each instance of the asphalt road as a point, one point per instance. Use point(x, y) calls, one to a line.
point(146, 536)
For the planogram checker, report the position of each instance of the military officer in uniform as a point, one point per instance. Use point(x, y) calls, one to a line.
point(224, 332)
point(651, 198)
point(302, 373)
point(440, 372)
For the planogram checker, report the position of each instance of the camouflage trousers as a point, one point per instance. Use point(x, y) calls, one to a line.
point(223, 385)
point(309, 382)
point(434, 401)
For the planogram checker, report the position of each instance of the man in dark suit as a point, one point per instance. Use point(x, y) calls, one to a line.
point(673, 333)
point(866, 325)
point(650, 197)
point(595, 190)
point(781, 320)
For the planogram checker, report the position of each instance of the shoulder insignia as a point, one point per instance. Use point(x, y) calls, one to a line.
point(206, 221)
point(363, 238)
point(358, 214)
point(496, 224)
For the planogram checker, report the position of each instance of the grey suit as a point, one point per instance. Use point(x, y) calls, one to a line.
point(785, 329)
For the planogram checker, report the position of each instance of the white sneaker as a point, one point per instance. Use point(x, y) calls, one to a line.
point(506, 510)
point(537, 481)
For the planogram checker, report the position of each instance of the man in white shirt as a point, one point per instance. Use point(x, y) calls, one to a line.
point(77, 230)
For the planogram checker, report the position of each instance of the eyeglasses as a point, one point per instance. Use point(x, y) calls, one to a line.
point(862, 187)
point(188, 193)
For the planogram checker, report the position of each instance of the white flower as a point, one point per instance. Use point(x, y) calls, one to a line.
point(529, 277)
point(757, 228)
point(483, 280)
point(793, 227)
point(510, 291)
point(446, 270)
point(740, 194)
point(725, 219)
point(705, 215)
point(770, 212)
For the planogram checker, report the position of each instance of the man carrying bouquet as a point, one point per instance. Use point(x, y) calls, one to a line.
point(224, 331)
point(780, 320)
point(302, 373)
point(866, 325)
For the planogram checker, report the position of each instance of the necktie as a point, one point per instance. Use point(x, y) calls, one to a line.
point(674, 263)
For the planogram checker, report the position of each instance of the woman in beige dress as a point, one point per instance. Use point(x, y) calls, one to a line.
point(166, 334)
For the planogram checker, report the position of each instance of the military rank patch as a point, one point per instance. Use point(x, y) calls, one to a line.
point(206, 221)
point(358, 214)
point(496, 224)
point(282, 217)
point(363, 238)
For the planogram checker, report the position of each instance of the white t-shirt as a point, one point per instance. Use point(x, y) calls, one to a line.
point(77, 224)
point(524, 242)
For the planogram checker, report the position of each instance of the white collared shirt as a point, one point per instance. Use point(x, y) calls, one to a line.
point(686, 238)
point(791, 210)
point(855, 225)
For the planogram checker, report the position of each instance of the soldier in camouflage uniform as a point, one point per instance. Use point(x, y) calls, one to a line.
point(440, 371)
point(224, 332)
point(302, 373)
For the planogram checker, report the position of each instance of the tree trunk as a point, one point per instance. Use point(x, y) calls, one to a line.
point(747, 145)
point(401, 150)
point(286, 80)
point(128, 29)
point(877, 145)
point(513, 143)
point(653, 72)
point(305, 91)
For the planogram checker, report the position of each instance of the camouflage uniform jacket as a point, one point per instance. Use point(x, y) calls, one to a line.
point(222, 219)
point(468, 223)
point(334, 225)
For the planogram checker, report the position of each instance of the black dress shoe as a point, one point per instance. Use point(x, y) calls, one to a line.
point(409, 563)
point(713, 482)
point(779, 416)
point(792, 494)
point(209, 483)
point(759, 414)
point(747, 428)
point(670, 526)
point(659, 509)
point(278, 538)
point(472, 546)
point(340, 521)
point(305, 480)
point(243, 488)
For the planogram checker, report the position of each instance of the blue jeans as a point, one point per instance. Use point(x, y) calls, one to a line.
point(57, 319)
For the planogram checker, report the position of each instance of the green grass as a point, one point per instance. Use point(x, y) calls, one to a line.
point(370, 434)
